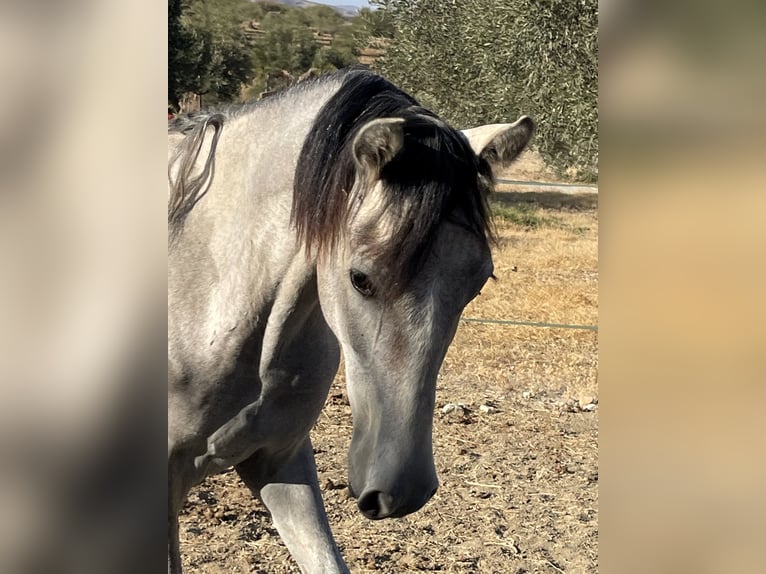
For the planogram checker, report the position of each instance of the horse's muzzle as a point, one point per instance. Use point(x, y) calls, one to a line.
point(376, 505)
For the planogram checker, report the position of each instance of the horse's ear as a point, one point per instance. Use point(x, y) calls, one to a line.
point(377, 143)
point(500, 144)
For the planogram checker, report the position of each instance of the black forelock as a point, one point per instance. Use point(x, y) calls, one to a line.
point(435, 176)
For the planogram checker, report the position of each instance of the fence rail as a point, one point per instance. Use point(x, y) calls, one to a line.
point(547, 184)
point(528, 323)
point(542, 324)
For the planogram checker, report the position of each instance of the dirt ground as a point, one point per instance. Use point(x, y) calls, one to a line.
point(518, 484)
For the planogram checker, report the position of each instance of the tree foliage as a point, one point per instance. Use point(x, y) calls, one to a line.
point(471, 61)
point(208, 53)
point(377, 22)
point(181, 66)
point(288, 45)
point(486, 61)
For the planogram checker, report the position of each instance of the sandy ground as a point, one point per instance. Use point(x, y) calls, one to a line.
point(519, 485)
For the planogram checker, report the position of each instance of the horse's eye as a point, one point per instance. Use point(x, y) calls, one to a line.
point(361, 283)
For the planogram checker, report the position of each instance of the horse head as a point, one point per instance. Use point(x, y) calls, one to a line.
point(412, 252)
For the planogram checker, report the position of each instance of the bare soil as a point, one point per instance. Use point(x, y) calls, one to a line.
point(519, 485)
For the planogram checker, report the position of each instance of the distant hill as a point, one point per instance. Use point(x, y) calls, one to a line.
point(347, 11)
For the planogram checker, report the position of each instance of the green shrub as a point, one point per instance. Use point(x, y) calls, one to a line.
point(487, 61)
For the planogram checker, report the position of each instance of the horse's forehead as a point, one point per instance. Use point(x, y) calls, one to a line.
point(454, 244)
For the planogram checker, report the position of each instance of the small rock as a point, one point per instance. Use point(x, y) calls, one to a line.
point(526, 395)
point(571, 469)
point(585, 400)
point(488, 409)
point(589, 407)
point(457, 408)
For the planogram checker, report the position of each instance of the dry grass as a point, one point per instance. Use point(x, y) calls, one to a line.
point(519, 488)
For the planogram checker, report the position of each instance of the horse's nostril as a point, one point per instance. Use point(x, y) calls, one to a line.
point(375, 504)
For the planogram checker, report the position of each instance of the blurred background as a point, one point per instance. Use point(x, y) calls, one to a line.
point(682, 318)
point(82, 285)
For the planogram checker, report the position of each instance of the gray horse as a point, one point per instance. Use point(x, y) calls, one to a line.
point(337, 215)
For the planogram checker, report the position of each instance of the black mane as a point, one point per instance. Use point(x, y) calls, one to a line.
point(436, 174)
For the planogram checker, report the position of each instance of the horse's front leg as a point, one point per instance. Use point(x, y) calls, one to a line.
point(294, 500)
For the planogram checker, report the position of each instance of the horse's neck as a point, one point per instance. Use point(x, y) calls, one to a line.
point(245, 215)
point(233, 256)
